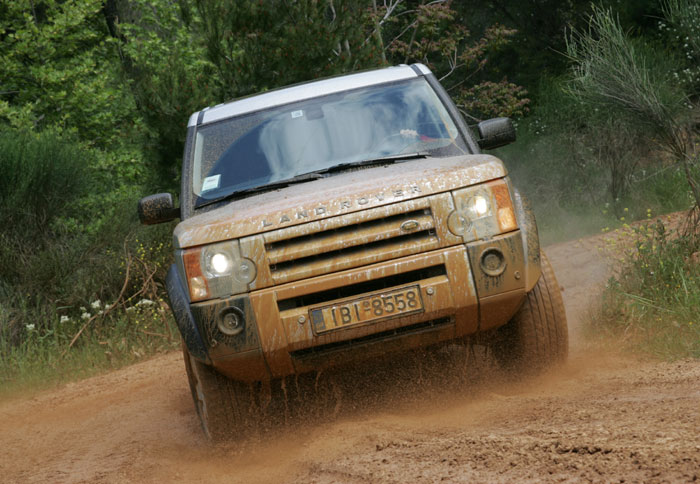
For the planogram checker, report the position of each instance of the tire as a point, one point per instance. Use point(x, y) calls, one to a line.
point(535, 338)
point(224, 406)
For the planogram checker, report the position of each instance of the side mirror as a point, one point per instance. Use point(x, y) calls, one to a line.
point(158, 208)
point(496, 132)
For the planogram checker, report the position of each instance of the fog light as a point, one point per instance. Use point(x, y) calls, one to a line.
point(231, 321)
point(492, 262)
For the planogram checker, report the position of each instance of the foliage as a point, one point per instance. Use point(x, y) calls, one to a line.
point(167, 71)
point(41, 358)
point(260, 46)
point(611, 70)
point(42, 180)
point(64, 246)
point(257, 46)
point(431, 33)
point(40, 194)
point(681, 24)
point(56, 71)
point(568, 159)
point(654, 302)
point(629, 80)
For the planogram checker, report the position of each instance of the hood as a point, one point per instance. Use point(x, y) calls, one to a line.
point(336, 195)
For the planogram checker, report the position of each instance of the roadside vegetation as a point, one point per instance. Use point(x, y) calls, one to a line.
point(95, 96)
point(653, 301)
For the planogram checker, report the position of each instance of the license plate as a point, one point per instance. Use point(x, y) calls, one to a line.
point(406, 300)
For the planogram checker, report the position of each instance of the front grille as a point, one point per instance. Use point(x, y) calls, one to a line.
point(373, 285)
point(322, 350)
point(349, 241)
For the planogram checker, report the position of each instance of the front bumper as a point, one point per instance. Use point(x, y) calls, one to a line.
point(464, 289)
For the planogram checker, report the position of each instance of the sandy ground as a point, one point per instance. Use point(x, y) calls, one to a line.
point(600, 418)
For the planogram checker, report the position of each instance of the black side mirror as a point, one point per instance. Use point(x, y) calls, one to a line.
point(158, 208)
point(496, 132)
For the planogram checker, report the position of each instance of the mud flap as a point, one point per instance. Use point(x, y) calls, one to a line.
point(531, 242)
point(180, 306)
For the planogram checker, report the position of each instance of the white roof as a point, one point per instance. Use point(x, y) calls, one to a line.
point(306, 91)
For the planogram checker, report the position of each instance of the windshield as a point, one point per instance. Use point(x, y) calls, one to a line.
point(287, 141)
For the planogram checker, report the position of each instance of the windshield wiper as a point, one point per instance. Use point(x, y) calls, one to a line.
point(270, 186)
point(375, 161)
point(314, 175)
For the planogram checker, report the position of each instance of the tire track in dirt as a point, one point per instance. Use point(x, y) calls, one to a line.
point(600, 418)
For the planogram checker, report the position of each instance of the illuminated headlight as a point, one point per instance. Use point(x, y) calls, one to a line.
point(479, 206)
point(482, 211)
point(219, 264)
point(217, 270)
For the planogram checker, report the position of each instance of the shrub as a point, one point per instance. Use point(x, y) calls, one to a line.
point(634, 81)
point(43, 178)
point(69, 233)
point(653, 303)
point(43, 182)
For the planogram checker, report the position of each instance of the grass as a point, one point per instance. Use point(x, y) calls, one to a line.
point(652, 305)
point(44, 358)
point(71, 239)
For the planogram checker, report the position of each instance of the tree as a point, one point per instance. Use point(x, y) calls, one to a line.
point(634, 82)
point(164, 64)
point(257, 46)
point(431, 32)
point(57, 71)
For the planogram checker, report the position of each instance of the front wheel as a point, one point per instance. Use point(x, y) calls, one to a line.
point(224, 406)
point(537, 336)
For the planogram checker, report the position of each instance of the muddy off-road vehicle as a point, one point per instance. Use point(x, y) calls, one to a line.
point(345, 219)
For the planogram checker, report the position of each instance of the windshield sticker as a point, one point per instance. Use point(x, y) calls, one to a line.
point(297, 114)
point(211, 182)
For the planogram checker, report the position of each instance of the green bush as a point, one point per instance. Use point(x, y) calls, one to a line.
point(653, 303)
point(633, 80)
point(581, 171)
point(43, 178)
point(70, 232)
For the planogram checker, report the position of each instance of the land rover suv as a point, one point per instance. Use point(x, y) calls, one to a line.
point(345, 219)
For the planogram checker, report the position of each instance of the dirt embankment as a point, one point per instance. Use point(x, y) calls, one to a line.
point(601, 418)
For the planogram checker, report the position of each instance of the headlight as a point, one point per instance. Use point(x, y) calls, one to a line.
point(482, 211)
point(479, 206)
point(217, 270)
point(219, 264)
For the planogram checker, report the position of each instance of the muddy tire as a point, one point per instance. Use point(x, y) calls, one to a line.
point(537, 336)
point(224, 406)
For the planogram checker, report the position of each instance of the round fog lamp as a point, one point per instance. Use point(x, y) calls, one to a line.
point(231, 321)
point(493, 262)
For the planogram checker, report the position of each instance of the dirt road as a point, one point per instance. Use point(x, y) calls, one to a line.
point(601, 418)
